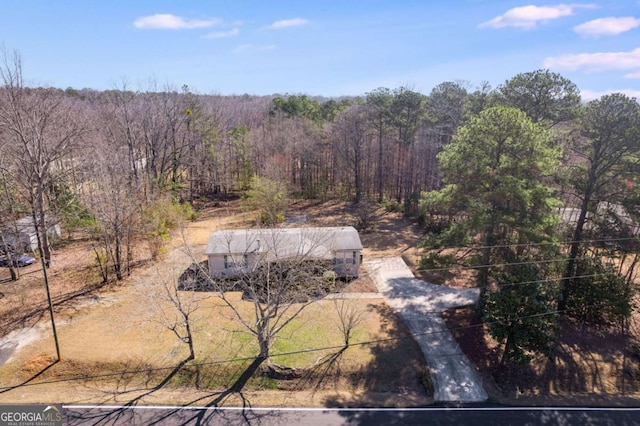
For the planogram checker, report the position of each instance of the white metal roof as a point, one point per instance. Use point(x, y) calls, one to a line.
point(319, 242)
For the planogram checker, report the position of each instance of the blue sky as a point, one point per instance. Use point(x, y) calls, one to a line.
point(328, 48)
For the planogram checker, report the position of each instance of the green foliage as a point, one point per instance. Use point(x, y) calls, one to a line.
point(436, 260)
point(162, 217)
point(609, 142)
point(380, 102)
point(392, 205)
point(446, 106)
point(297, 106)
point(406, 112)
point(269, 197)
point(437, 211)
point(494, 173)
point(482, 98)
point(546, 97)
point(520, 312)
point(495, 196)
point(73, 214)
point(599, 294)
point(331, 108)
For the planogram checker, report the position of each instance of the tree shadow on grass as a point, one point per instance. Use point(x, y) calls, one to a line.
point(15, 321)
point(30, 379)
point(397, 374)
point(319, 374)
point(205, 414)
point(588, 361)
point(123, 414)
point(209, 414)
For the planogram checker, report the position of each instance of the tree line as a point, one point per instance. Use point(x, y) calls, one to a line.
point(490, 168)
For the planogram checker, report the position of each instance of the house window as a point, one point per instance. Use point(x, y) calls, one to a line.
point(232, 263)
point(354, 258)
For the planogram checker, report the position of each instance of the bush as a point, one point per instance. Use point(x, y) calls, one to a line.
point(602, 295)
point(366, 216)
point(434, 225)
point(392, 205)
point(269, 197)
point(435, 260)
point(162, 217)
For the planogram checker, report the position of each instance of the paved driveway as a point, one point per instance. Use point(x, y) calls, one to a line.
point(420, 305)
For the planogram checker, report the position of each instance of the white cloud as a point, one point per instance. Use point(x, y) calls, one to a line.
point(528, 17)
point(166, 21)
point(253, 48)
point(287, 23)
point(598, 62)
point(223, 34)
point(607, 26)
point(590, 95)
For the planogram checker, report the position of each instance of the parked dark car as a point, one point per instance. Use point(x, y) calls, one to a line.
point(19, 262)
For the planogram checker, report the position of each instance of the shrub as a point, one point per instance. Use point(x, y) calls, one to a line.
point(392, 205)
point(162, 217)
point(600, 295)
point(436, 260)
point(269, 197)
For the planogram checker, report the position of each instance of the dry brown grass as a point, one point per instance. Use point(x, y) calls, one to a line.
point(98, 343)
point(112, 329)
point(116, 330)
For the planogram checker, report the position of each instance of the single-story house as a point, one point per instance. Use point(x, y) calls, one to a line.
point(234, 252)
point(614, 213)
point(23, 234)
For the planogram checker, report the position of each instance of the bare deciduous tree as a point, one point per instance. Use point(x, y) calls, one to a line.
point(114, 201)
point(175, 308)
point(41, 132)
point(350, 315)
point(352, 138)
point(279, 274)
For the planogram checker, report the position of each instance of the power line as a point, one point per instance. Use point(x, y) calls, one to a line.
point(559, 243)
point(336, 347)
point(302, 351)
point(465, 267)
point(528, 262)
point(370, 342)
point(551, 279)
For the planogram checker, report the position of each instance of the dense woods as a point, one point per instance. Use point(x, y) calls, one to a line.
point(518, 174)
